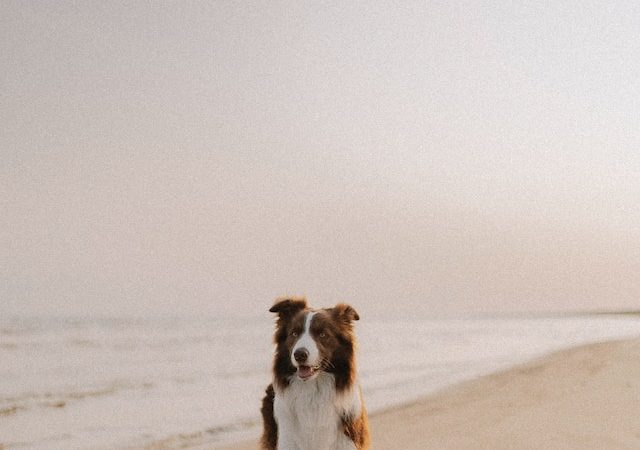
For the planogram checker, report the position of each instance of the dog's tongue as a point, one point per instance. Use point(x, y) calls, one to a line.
point(305, 371)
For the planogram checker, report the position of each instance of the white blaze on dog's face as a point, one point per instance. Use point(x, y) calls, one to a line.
point(305, 355)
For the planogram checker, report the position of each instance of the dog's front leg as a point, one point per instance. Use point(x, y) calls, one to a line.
point(286, 425)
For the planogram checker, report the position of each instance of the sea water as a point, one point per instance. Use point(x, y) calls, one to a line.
point(116, 383)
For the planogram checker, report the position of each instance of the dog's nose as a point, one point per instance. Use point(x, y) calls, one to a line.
point(301, 355)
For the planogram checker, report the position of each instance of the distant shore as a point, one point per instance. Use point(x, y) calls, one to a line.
point(583, 398)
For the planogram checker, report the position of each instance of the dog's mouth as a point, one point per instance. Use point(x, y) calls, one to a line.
point(306, 372)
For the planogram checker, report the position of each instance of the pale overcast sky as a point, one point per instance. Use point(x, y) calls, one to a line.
point(204, 157)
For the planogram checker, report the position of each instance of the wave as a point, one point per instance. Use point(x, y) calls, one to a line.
point(29, 401)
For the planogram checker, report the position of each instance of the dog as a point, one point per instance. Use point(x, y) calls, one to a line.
point(314, 401)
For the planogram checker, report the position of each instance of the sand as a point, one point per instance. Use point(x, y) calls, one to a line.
point(582, 398)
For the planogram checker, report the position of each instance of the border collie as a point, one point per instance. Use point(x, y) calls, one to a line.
point(314, 402)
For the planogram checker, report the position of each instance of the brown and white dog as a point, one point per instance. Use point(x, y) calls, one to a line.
point(314, 402)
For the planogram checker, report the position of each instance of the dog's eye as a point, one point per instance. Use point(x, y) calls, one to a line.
point(294, 333)
point(323, 335)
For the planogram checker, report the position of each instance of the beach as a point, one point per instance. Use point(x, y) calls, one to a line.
point(586, 397)
point(125, 383)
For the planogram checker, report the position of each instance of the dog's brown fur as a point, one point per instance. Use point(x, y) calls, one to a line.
point(269, 440)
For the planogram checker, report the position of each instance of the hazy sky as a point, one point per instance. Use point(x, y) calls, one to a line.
point(178, 157)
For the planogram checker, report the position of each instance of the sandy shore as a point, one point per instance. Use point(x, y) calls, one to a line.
point(583, 398)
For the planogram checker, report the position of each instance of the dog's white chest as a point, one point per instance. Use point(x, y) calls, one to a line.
point(308, 415)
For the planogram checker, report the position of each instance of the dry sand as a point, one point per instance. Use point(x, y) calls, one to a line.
point(583, 398)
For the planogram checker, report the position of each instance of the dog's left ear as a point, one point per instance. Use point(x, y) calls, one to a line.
point(288, 306)
point(345, 312)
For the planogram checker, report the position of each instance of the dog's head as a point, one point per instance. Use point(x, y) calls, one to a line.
point(310, 341)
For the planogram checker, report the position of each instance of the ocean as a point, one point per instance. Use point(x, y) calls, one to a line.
point(123, 383)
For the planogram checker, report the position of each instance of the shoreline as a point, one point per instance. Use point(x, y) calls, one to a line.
point(584, 397)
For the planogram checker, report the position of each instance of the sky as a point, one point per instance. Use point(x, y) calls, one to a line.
point(433, 158)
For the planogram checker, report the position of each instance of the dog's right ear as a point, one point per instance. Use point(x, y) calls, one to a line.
point(286, 307)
